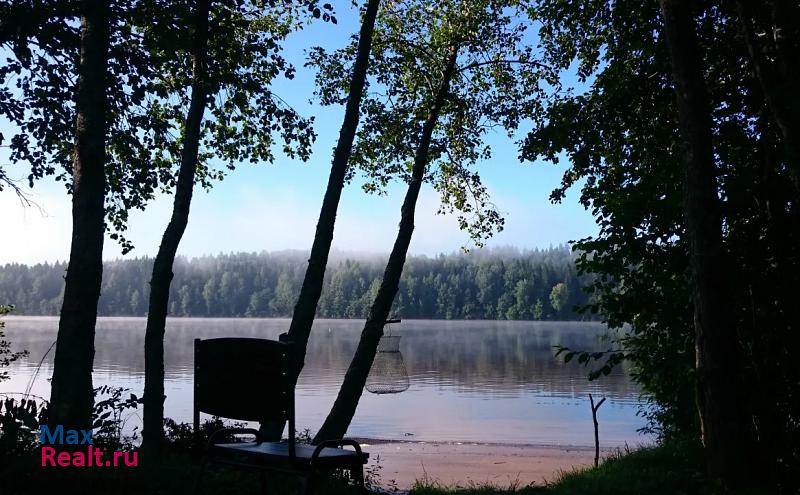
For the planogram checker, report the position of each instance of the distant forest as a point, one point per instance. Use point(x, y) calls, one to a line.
point(496, 284)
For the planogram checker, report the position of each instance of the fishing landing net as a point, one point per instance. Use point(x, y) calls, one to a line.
point(388, 374)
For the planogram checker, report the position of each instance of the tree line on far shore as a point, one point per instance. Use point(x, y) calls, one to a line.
point(502, 285)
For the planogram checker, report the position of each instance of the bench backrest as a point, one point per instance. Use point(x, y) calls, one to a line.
point(244, 379)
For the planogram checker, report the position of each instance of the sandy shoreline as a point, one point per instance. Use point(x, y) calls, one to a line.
point(402, 463)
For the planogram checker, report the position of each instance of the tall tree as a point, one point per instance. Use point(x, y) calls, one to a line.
point(344, 408)
point(311, 290)
point(71, 398)
point(82, 134)
point(446, 76)
point(43, 65)
point(621, 135)
point(559, 296)
point(238, 56)
point(144, 87)
point(153, 429)
point(725, 424)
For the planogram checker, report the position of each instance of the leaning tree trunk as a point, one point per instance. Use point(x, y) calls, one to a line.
point(775, 58)
point(153, 428)
point(344, 408)
point(71, 396)
point(725, 425)
point(306, 307)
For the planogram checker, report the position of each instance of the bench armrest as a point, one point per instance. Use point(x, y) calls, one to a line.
point(227, 431)
point(335, 444)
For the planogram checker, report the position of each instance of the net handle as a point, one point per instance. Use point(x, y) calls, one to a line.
point(389, 322)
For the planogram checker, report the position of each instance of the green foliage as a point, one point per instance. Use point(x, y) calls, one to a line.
point(181, 437)
point(538, 310)
point(559, 296)
point(478, 285)
point(611, 357)
point(7, 356)
point(618, 129)
point(109, 418)
point(19, 426)
point(496, 82)
point(20, 420)
point(667, 469)
point(244, 57)
point(149, 81)
point(620, 136)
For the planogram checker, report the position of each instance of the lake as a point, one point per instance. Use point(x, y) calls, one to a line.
point(470, 381)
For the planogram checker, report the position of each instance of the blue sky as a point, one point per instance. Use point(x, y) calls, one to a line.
point(275, 206)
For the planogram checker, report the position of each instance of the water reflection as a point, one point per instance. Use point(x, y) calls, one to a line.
point(481, 381)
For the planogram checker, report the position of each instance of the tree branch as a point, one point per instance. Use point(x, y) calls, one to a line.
point(513, 61)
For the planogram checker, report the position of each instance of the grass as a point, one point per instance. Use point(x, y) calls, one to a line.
point(662, 470)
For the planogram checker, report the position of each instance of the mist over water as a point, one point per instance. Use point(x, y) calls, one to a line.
point(471, 381)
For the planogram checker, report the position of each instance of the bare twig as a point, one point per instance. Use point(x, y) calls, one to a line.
point(595, 407)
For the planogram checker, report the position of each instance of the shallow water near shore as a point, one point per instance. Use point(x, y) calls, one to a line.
point(470, 381)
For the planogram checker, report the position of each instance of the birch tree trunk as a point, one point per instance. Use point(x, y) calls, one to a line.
point(344, 408)
point(311, 290)
point(153, 429)
point(71, 396)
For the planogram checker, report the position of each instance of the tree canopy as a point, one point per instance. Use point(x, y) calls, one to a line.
point(620, 137)
point(149, 81)
point(497, 81)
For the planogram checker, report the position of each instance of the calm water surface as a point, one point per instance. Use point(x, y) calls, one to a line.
point(471, 381)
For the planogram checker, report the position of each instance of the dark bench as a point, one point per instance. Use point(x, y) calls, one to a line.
point(249, 380)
